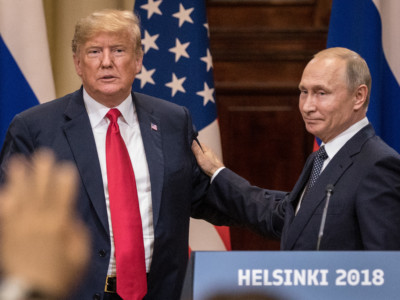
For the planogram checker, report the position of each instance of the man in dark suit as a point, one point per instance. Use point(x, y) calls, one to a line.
point(364, 172)
point(158, 135)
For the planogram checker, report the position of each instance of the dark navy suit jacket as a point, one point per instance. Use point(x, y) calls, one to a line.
point(363, 213)
point(177, 183)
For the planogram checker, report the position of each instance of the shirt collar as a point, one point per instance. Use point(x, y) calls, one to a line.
point(333, 146)
point(97, 111)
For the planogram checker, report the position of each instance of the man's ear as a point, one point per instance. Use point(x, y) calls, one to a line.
point(77, 63)
point(139, 63)
point(360, 97)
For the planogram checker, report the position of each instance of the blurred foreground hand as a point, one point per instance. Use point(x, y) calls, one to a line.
point(42, 241)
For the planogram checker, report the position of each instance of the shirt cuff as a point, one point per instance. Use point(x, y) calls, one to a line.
point(216, 173)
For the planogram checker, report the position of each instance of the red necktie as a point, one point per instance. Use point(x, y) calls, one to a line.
point(125, 215)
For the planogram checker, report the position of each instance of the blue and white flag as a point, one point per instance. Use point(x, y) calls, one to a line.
point(177, 67)
point(25, 71)
point(372, 29)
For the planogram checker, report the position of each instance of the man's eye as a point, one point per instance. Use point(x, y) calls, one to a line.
point(91, 52)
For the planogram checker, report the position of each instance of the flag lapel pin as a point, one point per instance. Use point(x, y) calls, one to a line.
point(153, 126)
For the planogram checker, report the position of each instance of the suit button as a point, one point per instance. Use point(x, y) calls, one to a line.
point(102, 253)
point(96, 297)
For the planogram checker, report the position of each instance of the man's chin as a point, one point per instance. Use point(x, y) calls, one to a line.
point(112, 91)
point(110, 97)
point(312, 128)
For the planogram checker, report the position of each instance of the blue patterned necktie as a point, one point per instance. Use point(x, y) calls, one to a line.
point(317, 166)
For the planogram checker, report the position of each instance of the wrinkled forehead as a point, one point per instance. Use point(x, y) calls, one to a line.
point(120, 37)
point(103, 39)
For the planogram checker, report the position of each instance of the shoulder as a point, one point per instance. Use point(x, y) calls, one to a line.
point(51, 108)
point(367, 145)
point(377, 160)
point(171, 115)
point(377, 149)
point(158, 105)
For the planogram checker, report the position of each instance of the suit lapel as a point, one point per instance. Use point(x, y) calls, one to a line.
point(150, 128)
point(300, 184)
point(295, 195)
point(331, 175)
point(81, 140)
point(315, 196)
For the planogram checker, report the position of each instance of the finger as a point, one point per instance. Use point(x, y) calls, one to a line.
point(196, 148)
point(56, 185)
point(205, 148)
point(198, 143)
point(42, 177)
point(14, 191)
point(65, 188)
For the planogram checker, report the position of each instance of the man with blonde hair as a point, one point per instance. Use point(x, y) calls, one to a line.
point(139, 181)
point(354, 164)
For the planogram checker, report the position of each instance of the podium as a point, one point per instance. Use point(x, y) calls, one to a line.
point(294, 275)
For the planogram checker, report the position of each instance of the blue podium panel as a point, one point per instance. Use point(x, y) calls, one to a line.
point(293, 275)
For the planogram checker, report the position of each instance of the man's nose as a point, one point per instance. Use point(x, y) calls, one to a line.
point(107, 59)
point(308, 103)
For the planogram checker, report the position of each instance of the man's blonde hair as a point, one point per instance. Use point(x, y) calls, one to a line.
point(108, 21)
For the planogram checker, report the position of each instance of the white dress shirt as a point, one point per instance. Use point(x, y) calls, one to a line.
point(333, 146)
point(130, 131)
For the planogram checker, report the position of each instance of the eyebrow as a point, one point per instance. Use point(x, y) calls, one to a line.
point(314, 87)
point(101, 46)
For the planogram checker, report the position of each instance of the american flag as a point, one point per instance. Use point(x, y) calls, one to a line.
point(177, 67)
point(154, 127)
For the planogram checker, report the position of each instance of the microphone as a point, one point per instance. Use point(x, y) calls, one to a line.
point(329, 192)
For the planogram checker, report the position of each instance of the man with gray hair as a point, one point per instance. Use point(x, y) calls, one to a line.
point(139, 181)
point(354, 164)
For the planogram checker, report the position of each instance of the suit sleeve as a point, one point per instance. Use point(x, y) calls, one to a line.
point(200, 209)
point(17, 140)
point(261, 210)
point(378, 205)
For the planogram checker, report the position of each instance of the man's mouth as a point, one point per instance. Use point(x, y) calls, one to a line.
point(107, 77)
point(311, 120)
